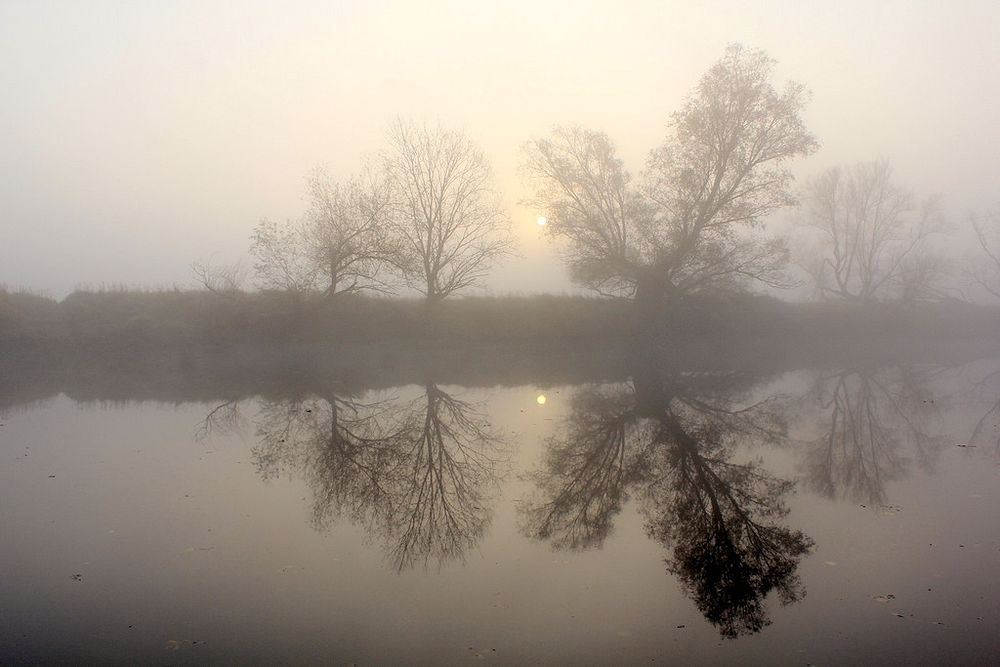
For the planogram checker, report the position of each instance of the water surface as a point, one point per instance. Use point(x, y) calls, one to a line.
point(810, 516)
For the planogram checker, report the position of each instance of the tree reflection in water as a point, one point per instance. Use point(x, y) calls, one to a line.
point(671, 442)
point(986, 432)
point(419, 475)
point(874, 420)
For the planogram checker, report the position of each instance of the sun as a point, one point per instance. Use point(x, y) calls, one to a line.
point(542, 221)
point(541, 399)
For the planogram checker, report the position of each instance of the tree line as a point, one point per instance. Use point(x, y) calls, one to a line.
point(425, 213)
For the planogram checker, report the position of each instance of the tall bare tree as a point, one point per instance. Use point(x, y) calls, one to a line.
point(693, 223)
point(348, 237)
point(873, 234)
point(449, 220)
point(342, 243)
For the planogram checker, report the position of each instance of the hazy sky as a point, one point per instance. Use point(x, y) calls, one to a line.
point(138, 137)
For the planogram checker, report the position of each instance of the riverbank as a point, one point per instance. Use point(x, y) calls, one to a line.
point(174, 355)
point(130, 319)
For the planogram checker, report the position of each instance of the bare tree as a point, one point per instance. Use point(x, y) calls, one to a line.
point(225, 280)
point(451, 226)
point(347, 234)
point(873, 235)
point(342, 243)
point(589, 200)
point(693, 223)
point(281, 258)
point(986, 271)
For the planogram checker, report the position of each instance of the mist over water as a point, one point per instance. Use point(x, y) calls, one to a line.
point(633, 516)
point(386, 333)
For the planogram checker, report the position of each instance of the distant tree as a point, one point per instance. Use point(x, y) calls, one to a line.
point(347, 233)
point(225, 280)
point(342, 243)
point(447, 216)
point(690, 225)
point(985, 272)
point(281, 258)
point(874, 236)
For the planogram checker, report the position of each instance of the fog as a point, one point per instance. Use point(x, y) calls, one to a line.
point(137, 138)
point(530, 332)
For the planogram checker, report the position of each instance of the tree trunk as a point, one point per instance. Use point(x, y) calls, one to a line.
point(652, 396)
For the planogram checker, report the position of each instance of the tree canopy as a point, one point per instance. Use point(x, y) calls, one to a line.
point(692, 220)
point(873, 234)
point(426, 215)
point(448, 219)
point(341, 244)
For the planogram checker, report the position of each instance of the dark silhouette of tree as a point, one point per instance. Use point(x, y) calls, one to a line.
point(875, 420)
point(729, 551)
point(418, 475)
point(342, 244)
point(447, 217)
point(873, 235)
point(674, 449)
point(693, 222)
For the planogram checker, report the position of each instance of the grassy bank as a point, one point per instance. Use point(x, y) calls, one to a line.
point(123, 319)
point(174, 345)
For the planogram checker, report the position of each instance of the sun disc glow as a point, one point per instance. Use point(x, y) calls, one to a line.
point(542, 221)
point(541, 399)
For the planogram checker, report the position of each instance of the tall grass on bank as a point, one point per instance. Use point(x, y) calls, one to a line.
point(121, 318)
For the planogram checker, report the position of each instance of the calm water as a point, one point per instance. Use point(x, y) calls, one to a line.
point(830, 516)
